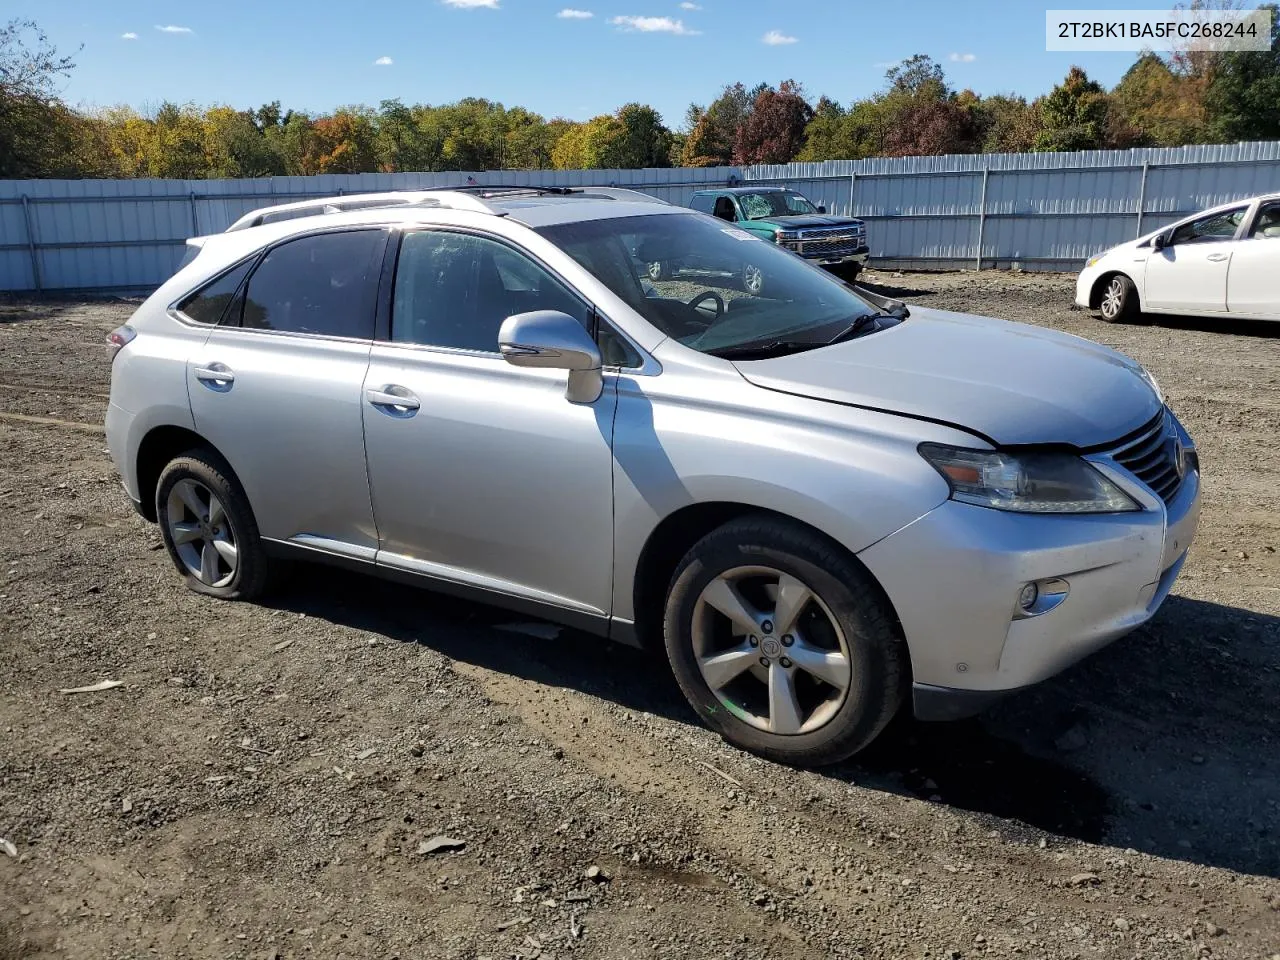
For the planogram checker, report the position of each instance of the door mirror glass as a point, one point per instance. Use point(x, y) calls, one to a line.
point(1160, 241)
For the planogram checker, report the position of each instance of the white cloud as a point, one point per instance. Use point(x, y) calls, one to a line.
point(383, 62)
point(170, 28)
point(129, 36)
point(654, 25)
point(962, 58)
point(471, 4)
point(776, 38)
point(689, 6)
point(568, 13)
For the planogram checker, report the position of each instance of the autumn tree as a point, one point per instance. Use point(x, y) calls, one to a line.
point(1074, 115)
point(1005, 123)
point(773, 131)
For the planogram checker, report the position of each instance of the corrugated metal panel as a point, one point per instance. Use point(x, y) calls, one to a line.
point(1042, 210)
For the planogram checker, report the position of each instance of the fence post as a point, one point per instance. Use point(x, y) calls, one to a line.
point(31, 244)
point(982, 217)
point(195, 217)
point(1142, 197)
point(853, 189)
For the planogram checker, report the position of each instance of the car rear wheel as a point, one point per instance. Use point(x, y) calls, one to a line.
point(1119, 301)
point(753, 280)
point(208, 528)
point(782, 643)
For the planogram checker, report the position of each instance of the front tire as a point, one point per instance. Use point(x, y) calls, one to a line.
point(209, 529)
point(782, 642)
point(1119, 302)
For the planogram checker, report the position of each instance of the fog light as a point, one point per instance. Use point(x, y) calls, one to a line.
point(1027, 597)
point(1040, 596)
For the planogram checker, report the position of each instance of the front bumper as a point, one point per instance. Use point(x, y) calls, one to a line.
point(1084, 285)
point(954, 576)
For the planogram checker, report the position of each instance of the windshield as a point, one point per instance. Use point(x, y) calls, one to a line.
point(774, 203)
point(708, 284)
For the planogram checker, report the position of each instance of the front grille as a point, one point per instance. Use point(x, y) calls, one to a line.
point(826, 241)
point(1151, 454)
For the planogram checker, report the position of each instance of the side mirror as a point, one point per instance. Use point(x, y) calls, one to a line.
point(555, 340)
point(1160, 241)
point(822, 209)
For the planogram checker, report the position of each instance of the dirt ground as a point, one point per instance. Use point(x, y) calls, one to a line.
point(261, 784)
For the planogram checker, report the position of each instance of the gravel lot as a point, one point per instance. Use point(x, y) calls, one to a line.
point(262, 783)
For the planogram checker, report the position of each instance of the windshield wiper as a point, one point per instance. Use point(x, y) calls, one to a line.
point(768, 348)
point(856, 326)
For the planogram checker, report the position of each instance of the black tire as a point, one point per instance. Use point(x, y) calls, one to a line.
point(1118, 302)
point(660, 270)
point(849, 598)
point(250, 576)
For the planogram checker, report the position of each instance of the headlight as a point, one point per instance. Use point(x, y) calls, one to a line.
point(1026, 482)
point(1092, 260)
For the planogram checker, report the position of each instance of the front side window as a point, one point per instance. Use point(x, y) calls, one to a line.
point(209, 303)
point(712, 286)
point(326, 284)
point(1217, 226)
point(703, 203)
point(774, 203)
point(1267, 224)
point(455, 289)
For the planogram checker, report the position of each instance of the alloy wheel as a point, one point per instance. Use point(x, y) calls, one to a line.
point(753, 279)
point(1113, 298)
point(201, 533)
point(771, 650)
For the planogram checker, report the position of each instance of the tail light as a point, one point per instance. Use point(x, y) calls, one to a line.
point(120, 337)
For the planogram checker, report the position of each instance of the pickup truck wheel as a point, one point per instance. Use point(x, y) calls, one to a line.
point(660, 270)
point(782, 643)
point(752, 279)
point(208, 528)
point(1119, 303)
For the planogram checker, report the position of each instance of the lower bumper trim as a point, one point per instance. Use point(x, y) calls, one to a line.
point(947, 703)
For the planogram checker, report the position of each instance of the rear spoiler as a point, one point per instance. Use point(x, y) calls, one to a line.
point(194, 246)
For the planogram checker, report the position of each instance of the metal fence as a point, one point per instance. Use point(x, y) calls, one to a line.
point(1034, 211)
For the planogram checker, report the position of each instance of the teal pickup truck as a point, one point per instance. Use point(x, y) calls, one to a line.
point(788, 219)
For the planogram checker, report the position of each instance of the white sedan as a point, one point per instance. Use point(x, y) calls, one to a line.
point(1224, 262)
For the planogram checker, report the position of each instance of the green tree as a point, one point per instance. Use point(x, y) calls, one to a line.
point(1243, 96)
point(1074, 115)
point(37, 132)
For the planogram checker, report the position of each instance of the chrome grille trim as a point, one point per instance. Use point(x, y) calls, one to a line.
point(1150, 454)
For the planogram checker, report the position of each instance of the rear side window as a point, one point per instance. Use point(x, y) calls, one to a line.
point(325, 284)
point(208, 304)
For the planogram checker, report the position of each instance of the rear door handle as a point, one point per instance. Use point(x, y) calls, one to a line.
point(216, 376)
point(1218, 257)
point(394, 399)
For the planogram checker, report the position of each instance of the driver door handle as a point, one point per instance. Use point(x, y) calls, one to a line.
point(401, 401)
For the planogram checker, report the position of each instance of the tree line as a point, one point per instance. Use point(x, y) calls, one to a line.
point(1183, 98)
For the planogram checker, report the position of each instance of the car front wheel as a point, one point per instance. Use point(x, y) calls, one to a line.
point(782, 643)
point(208, 528)
point(1119, 301)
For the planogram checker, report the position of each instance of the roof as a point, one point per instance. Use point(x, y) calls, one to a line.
point(758, 188)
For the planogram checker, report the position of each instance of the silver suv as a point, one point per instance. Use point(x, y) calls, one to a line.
point(822, 504)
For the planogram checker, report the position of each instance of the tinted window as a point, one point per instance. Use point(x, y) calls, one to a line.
point(455, 289)
point(208, 303)
point(326, 284)
point(703, 203)
point(1217, 226)
point(1268, 222)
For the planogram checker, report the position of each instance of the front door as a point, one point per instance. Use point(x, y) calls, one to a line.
point(277, 388)
point(1253, 284)
point(1189, 275)
point(482, 473)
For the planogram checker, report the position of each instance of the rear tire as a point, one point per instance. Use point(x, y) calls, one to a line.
point(825, 669)
point(1119, 301)
point(209, 528)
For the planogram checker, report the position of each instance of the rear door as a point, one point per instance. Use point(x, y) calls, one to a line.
point(1189, 275)
point(277, 388)
point(1253, 282)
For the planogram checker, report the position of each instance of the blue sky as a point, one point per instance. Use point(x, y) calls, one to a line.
point(574, 59)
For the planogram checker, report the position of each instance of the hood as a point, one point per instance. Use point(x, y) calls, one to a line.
point(808, 220)
point(1009, 382)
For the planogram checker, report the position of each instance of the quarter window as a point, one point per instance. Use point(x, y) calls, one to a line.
point(209, 303)
point(1217, 226)
point(326, 284)
point(455, 289)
